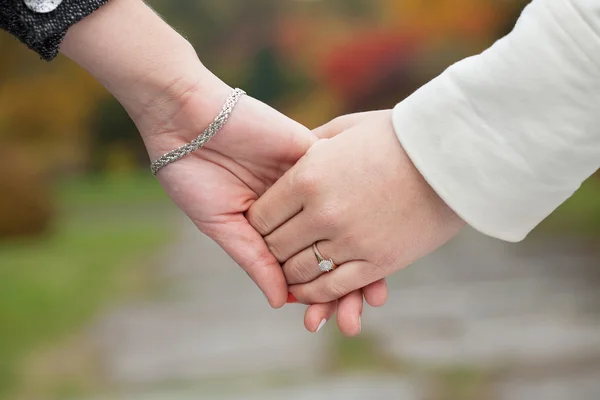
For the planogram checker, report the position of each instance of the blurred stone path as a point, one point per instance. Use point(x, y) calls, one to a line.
point(529, 315)
point(213, 331)
point(212, 322)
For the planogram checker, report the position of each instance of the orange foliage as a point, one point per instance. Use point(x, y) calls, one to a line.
point(25, 208)
point(44, 111)
point(45, 107)
point(444, 18)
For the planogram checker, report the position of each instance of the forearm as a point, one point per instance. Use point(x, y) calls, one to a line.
point(139, 58)
point(505, 137)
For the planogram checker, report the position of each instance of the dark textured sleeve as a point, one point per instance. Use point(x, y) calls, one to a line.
point(43, 32)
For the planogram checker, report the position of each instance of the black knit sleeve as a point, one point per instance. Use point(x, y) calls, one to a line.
point(43, 32)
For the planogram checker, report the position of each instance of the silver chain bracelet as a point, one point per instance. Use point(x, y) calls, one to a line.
point(204, 137)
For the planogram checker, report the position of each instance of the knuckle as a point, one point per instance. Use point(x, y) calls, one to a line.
point(307, 182)
point(274, 249)
point(350, 240)
point(257, 220)
point(330, 216)
point(390, 260)
point(336, 290)
point(374, 272)
point(297, 273)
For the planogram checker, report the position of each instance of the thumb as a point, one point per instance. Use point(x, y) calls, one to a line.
point(247, 248)
point(341, 124)
point(334, 127)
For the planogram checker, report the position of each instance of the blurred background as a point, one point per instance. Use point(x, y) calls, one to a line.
point(107, 292)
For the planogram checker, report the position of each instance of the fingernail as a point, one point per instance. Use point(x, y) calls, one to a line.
point(291, 299)
point(323, 321)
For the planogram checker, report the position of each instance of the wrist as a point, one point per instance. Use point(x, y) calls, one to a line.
point(183, 108)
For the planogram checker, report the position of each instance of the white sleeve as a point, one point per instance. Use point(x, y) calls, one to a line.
point(506, 136)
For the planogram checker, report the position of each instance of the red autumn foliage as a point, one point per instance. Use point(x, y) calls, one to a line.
point(354, 68)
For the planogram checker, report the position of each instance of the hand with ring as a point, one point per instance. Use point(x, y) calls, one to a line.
point(354, 206)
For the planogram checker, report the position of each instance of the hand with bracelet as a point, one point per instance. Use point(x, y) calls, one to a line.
point(172, 98)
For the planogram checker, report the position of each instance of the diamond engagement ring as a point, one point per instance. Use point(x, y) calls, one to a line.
point(324, 265)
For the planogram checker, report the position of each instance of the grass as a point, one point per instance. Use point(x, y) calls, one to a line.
point(125, 189)
point(51, 286)
point(362, 353)
point(461, 382)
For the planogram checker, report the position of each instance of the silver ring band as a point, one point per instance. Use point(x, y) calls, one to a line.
point(325, 265)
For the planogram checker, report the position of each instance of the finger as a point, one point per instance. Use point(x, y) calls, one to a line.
point(304, 266)
point(293, 236)
point(317, 315)
point(333, 285)
point(249, 250)
point(376, 293)
point(340, 124)
point(348, 313)
point(280, 203)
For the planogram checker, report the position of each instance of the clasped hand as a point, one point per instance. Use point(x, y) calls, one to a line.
point(265, 189)
point(358, 196)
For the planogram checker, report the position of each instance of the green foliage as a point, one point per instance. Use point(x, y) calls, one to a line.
point(266, 80)
point(112, 129)
point(579, 216)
